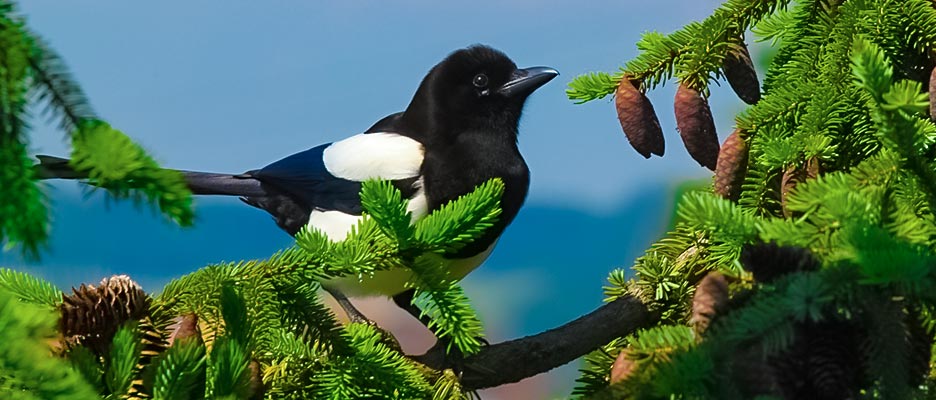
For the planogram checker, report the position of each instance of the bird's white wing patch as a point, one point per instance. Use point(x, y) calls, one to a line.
point(378, 155)
point(418, 204)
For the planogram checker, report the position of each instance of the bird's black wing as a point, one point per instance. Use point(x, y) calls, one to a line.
point(304, 176)
point(302, 183)
point(299, 184)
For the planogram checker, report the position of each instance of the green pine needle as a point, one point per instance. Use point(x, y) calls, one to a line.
point(234, 313)
point(117, 164)
point(26, 367)
point(447, 305)
point(459, 222)
point(180, 372)
point(29, 288)
point(229, 362)
point(123, 359)
point(386, 205)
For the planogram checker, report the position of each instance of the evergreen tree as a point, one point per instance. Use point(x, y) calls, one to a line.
point(806, 271)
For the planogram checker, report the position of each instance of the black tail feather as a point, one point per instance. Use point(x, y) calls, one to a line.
point(288, 213)
point(51, 167)
point(223, 184)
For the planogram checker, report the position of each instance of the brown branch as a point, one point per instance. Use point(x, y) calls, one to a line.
point(511, 361)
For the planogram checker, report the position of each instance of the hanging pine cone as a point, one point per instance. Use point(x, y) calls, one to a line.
point(739, 71)
point(638, 120)
point(184, 328)
point(257, 389)
point(623, 367)
point(793, 176)
point(92, 315)
point(732, 163)
point(711, 298)
point(932, 94)
point(696, 127)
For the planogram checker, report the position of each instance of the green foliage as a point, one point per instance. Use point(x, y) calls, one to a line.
point(31, 73)
point(269, 313)
point(448, 307)
point(371, 370)
point(30, 289)
point(840, 164)
point(694, 53)
point(228, 366)
point(122, 361)
point(459, 222)
point(304, 351)
point(180, 372)
point(114, 162)
point(26, 369)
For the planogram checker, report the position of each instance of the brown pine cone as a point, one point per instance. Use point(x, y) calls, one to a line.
point(622, 368)
point(710, 298)
point(696, 127)
point(932, 94)
point(739, 71)
point(185, 327)
point(638, 120)
point(92, 315)
point(257, 389)
point(732, 163)
point(793, 176)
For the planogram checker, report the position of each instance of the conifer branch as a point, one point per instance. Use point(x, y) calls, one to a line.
point(54, 83)
point(513, 360)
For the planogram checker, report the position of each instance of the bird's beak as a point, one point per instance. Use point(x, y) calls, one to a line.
point(524, 81)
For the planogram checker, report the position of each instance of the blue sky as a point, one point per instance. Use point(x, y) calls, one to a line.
point(227, 86)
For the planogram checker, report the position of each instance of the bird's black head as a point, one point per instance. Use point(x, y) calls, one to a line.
point(476, 88)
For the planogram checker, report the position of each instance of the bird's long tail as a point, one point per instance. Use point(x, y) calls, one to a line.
point(205, 183)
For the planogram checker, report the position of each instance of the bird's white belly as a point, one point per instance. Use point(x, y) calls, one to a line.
point(336, 225)
point(391, 282)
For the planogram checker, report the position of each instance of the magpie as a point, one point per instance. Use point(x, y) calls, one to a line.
point(459, 130)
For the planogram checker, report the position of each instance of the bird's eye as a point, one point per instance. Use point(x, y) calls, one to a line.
point(480, 81)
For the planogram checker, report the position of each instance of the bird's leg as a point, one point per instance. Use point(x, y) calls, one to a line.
point(353, 314)
point(405, 301)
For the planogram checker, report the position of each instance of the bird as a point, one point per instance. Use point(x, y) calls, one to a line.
point(459, 130)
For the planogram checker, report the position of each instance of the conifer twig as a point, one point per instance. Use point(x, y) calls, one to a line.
point(514, 360)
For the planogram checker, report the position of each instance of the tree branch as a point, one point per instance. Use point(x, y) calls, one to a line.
point(518, 359)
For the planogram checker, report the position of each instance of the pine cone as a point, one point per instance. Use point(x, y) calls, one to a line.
point(932, 94)
point(710, 299)
point(793, 176)
point(739, 71)
point(638, 120)
point(92, 315)
point(732, 163)
point(696, 127)
point(184, 328)
point(622, 368)
point(257, 390)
